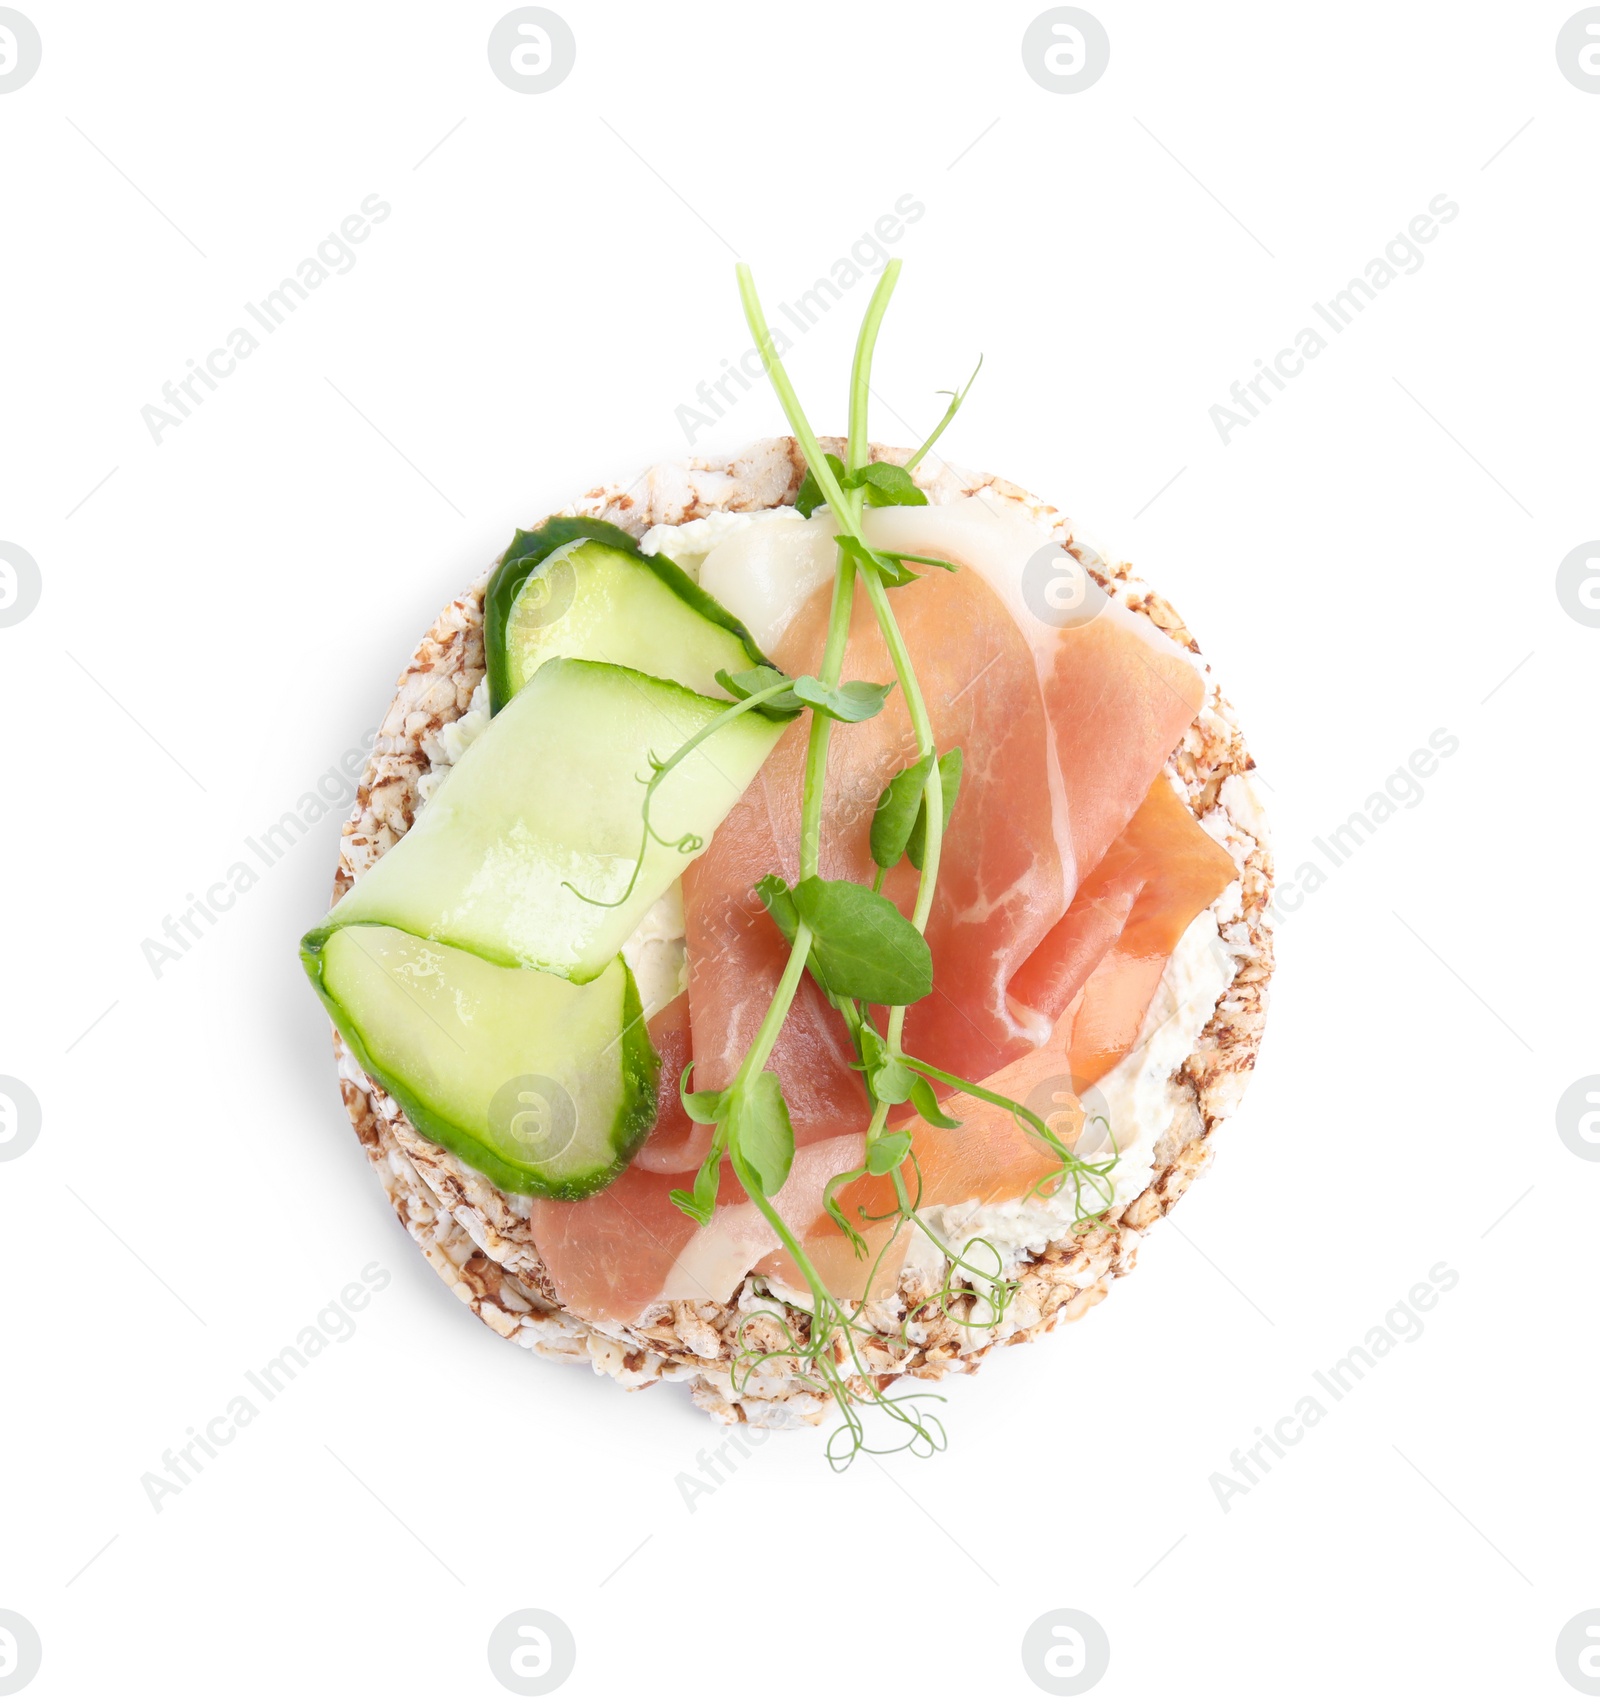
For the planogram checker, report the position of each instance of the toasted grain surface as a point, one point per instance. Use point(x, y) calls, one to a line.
point(477, 1239)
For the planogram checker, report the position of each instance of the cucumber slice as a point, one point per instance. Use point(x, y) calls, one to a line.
point(544, 1087)
point(546, 807)
point(577, 588)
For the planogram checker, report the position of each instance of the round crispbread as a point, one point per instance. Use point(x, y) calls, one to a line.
point(474, 1236)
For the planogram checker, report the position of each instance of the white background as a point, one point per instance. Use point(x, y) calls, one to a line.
point(1364, 564)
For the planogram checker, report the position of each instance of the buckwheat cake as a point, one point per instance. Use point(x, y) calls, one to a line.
point(1142, 1129)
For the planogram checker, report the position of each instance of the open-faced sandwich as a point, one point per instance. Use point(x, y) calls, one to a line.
point(802, 921)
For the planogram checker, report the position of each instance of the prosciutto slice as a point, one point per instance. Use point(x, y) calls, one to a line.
point(611, 1256)
point(1063, 727)
point(671, 1140)
point(1001, 881)
point(1101, 964)
point(1164, 868)
point(1119, 693)
point(1113, 945)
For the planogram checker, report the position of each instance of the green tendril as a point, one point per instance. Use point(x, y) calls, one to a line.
point(689, 843)
point(956, 400)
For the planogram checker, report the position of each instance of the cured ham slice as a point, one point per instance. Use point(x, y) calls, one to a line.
point(610, 1256)
point(1179, 869)
point(1119, 693)
point(1055, 766)
point(614, 1254)
point(1111, 950)
point(671, 1138)
point(1001, 882)
point(849, 1276)
point(736, 956)
point(1104, 959)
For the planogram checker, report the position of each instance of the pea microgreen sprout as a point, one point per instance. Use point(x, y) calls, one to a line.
point(864, 954)
point(891, 1080)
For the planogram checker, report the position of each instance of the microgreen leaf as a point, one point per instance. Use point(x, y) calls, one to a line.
point(885, 484)
point(778, 897)
point(905, 556)
point(927, 1104)
point(956, 400)
point(890, 565)
point(896, 574)
point(748, 682)
point(701, 1202)
point(704, 1106)
point(891, 1079)
point(809, 497)
point(858, 1243)
point(851, 701)
point(863, 947)
point(896, 815)
point(879, 561)
point(761, 1132)
point(874, 1049)
point(887, 1150)
point(950, 785)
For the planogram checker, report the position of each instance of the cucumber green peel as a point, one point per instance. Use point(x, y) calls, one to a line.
point(861, 951)
point(461, 965)
point(525, 553)
point(547, 1087)
point(534, 554)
